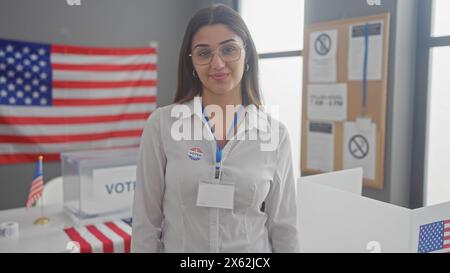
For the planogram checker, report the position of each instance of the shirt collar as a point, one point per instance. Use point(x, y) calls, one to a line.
point(257, 118)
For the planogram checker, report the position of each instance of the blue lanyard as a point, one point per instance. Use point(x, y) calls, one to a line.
point(366, 56)
point(218, 150)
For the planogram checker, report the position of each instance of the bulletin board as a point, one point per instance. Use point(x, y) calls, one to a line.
point(343, 122)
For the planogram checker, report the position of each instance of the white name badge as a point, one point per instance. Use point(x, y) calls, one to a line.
point(215, 195)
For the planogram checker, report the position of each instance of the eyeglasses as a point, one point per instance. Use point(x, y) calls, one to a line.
point(229, 52)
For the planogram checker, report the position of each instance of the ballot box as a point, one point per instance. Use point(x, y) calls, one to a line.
point(99, 184)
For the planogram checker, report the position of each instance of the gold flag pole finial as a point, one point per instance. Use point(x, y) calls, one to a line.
point(42, 220)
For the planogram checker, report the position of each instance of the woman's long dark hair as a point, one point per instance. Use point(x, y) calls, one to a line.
point(188, 86)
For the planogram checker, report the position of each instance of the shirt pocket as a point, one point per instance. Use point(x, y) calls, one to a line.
point(244, 195)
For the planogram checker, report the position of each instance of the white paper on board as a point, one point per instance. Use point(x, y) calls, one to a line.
point(322, 56)
point(359, 149)
point(356, 51)
point(320, 146)
point(327, 102)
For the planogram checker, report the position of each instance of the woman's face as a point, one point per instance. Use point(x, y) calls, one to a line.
point(221, 46)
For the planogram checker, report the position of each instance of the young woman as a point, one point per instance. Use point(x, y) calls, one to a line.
point(224, 191)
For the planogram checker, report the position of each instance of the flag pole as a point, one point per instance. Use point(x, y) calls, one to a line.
point(42, 220)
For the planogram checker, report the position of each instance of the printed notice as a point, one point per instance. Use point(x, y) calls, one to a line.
point(320, 149)
point(327, 102)
point(360, 148)
point(322, 56)
point(357, 50)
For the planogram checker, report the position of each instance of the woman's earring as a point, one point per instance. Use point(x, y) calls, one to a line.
point(247, 67)
point(193, 73)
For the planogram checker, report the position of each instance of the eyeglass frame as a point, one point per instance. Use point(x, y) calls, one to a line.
point(241, 47)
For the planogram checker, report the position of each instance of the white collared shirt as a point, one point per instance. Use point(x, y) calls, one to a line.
point(165, 215)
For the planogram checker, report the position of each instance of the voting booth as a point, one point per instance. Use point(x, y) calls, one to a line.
point(334, 217)
point(99, 185)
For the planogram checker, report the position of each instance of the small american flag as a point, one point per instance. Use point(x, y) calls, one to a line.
point(37, 185)
point(56, 98)
point(435, 237)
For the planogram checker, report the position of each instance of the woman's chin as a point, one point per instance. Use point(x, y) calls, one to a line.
point(220, 90)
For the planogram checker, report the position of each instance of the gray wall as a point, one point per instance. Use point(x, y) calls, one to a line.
point(94, 23)
point(401, 78)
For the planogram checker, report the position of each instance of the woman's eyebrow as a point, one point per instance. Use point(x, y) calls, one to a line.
point(226, 41)
point(221, 43)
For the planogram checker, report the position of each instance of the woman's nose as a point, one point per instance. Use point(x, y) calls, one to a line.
point(217, 62)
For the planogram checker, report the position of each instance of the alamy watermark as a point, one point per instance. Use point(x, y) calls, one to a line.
point(373, 2)
point(73, 2)
point(267, 133)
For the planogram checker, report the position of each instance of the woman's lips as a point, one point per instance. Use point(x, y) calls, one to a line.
point(220, 76)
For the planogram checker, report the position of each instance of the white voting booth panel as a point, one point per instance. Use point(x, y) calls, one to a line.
point(334, 217)
point(346, 180)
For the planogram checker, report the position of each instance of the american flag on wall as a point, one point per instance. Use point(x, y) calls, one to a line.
point(435, 237)
point(56, 98)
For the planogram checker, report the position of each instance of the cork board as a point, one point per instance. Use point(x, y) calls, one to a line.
point(376, 95)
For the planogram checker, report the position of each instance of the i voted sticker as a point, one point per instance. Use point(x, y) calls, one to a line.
point(195, 153)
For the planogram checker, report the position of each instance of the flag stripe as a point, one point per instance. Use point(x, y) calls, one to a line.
point(33, 198)
point(108, 246)
point(96, 244)
point(105, 84)
point(61, 75)
point(30, 157)
point(94, 60)
point(105, 93)
point(104, 67)
point(36, 190)
point(101, 51)
point(125, 236)
point(96, 102)
point(80, 111)
point(18, 158)
point(73, 234)
point(85, 128)
point(64, 120)
point(68, 138)
point(117, 240)
point(125, 227)
point(36, 193)
point(71, 146)
point(36, 186)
